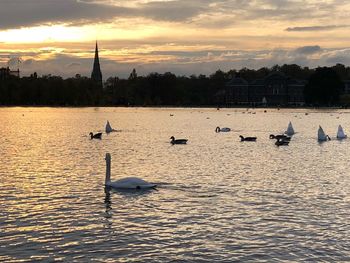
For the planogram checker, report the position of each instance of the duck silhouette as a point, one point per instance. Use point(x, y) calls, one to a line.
point(281, 142)
point(95, 136)
point(225, 129)
point(247, 139)
point(177, 141)
point(280, 137)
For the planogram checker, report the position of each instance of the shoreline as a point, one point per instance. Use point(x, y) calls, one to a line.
point(176, 107)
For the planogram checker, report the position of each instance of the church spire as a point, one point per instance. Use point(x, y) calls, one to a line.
point(96, 74)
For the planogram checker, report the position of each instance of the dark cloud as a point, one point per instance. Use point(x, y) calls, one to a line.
point(73, 65)
point(28, 62)
point(338, 59)
point(172, 10)
point(315, 28)
point(213, 13)
point(307, 50)
point(20, 13)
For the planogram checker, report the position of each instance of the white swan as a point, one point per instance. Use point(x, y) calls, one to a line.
point(290, 129)
point(340, 133)
point(109, 128)
point(124, 183)
point(321, 136)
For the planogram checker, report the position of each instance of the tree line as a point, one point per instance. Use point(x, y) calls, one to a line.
point(325, 86)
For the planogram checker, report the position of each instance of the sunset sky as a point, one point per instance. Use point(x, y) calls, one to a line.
point(182, 36)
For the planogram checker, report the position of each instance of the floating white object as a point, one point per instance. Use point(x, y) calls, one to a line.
point(340, 133)
point(321, 136)
point(124, 183)
point(290, 130)
point(109, 128)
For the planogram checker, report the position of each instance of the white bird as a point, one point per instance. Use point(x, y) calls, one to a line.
point(321, 136)
point(124, 183)
point(109, 128)
point(290, 129)
point(340, 133)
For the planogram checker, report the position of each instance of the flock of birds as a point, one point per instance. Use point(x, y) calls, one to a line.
point(138, 183)
point(281, 139)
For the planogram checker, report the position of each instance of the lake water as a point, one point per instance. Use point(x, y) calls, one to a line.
point(218, 199)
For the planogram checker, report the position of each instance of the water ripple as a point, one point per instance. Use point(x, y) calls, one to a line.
point(218, 200)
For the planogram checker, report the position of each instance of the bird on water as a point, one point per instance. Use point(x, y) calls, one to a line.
point(131, 183)
point(95, 136)
point(177, 141)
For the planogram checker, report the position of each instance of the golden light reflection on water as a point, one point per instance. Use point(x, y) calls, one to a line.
point(218, 198)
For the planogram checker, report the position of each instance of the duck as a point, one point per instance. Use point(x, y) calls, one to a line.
point(95, 136)
point(132, 183)
point(177, 141)
point(225, 129)
point(109, 128)
point(290, 130)
point(280, 137)
point(340, 134)
point(247, 139)
point(321, 136)
point(281, 142)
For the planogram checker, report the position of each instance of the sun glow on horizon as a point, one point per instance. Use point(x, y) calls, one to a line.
point(42, 34)
point(66, 33)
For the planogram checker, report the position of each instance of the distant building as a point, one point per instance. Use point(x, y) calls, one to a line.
point(274, 89)
point(96, 74)
point(5, 73)
point(346, 90)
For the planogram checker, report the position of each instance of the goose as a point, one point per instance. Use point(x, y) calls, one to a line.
point(95, 136)
point(109, 128)
point(321, 136)
point(225, 129)
point(281, 142)
point(178, 141)
point(340, 133)
point(280, 137)
point(290, 129)
point(247, 139)
point(124, 183)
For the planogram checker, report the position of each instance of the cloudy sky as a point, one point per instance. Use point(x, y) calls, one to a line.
point(182, 36)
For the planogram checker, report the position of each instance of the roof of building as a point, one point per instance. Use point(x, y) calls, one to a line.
point(276, 75)
point(237, 82)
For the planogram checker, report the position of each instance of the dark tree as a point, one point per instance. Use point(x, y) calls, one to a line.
point(133, 75)
point(324, 87)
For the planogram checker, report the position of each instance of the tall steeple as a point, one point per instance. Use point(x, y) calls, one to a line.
point(96, 74)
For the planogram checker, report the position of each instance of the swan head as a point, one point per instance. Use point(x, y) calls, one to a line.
point(272, 136)
point(172, 138)
point(108, 157)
